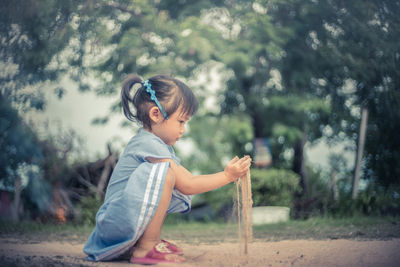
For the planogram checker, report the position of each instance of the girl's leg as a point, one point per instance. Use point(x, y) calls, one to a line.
point(151, 235)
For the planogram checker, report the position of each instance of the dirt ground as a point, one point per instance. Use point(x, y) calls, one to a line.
point(339, 252)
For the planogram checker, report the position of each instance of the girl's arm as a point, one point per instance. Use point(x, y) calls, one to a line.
point(189, 184)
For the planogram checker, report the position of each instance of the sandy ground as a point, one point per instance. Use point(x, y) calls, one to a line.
point(338, 252)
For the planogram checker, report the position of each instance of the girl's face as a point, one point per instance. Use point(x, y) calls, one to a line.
point(171, 130)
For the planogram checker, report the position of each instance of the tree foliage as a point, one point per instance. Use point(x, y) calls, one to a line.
point(32, 34)
point(341, 55)
point(18, 143)
point(349, 54)
point(274, 187)
point(292, 70)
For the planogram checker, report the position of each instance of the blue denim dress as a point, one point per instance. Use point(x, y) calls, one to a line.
point(132, 198)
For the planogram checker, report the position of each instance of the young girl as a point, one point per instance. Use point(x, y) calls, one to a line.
point(148, 181)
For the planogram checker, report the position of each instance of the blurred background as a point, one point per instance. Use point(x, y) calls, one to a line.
point(309, 88)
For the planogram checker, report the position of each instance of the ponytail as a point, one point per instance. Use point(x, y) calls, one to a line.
point(165, 92)
point(126, 97)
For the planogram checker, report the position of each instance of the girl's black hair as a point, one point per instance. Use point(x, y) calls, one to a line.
point(170, 92)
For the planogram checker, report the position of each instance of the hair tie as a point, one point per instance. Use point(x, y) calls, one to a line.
point(153, 97)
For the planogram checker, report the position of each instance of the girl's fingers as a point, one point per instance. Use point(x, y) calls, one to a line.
point(246, 165)
point(244, 161)
point(234, 160)
point(241, 165)
point(240, 161)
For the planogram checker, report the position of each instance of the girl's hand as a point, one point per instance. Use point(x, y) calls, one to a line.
point(237, 168)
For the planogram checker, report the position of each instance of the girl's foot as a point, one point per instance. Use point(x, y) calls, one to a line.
point(160, 253)
point(174, 248)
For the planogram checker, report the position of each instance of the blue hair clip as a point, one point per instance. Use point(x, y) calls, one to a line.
point(153, 97)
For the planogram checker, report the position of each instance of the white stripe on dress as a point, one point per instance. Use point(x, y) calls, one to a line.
point(156, 191)
point(146, 197)
point(145, 200)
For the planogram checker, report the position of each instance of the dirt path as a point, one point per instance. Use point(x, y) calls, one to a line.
point(283, 253)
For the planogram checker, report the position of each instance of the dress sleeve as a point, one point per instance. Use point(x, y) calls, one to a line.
point(154, 148)
point(174, 156)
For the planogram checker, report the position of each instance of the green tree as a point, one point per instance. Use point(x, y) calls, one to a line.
point(369, 53)
point(18, 143)
point(297, 69)
point(18, 146)
point(289, 116)
point(144, 37)
point(33, 32)
point(33, 36)
point(348, 53)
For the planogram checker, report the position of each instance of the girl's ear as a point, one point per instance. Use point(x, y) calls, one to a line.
point(155, 115)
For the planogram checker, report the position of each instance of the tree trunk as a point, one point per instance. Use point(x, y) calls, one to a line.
point(299, 165)
point(360, 151)
point(333, 187)
point(258, 124)
point(17, 199)
point(109, 164)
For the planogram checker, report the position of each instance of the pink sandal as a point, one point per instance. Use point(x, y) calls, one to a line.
point(156, 255)
point(174, 248)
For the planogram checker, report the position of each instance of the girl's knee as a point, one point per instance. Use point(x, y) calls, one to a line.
point(170, 179)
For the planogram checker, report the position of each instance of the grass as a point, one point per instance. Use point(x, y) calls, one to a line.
point(314, 228)
point(36, 232)
point(329, 228)
point(192, 232)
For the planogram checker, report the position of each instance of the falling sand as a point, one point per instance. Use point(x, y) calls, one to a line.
point(244, 203)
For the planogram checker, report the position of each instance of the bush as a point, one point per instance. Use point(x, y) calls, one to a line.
point(318, 198)
point(373, 201)
point(274, 187)
point(87, 208)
